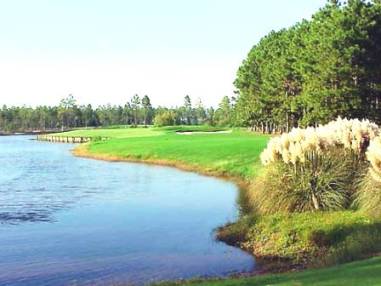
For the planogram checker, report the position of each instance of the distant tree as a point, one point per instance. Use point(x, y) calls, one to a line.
point(200, 112)
point(222, 115)
point(314, 71)
point(210, 116)
point(104, 115)
point(127, 114)
point(165, 118)
point(66, 113)
point(187, 110)
point(147, 110)
point(135, 106)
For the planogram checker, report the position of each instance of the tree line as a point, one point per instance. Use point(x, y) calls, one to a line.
point(305, 75)
point(137, 111)
point(314, 71)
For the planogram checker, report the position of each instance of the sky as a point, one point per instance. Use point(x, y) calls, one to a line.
point(105, 51)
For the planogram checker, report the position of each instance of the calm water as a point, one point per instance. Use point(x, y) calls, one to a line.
point(72, 221)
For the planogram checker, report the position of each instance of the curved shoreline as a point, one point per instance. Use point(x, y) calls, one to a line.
point(82, 151)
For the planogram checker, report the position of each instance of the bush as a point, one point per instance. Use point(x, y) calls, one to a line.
point(314, 168)
point(326, 186)
point(308, 171)
point(166, 118)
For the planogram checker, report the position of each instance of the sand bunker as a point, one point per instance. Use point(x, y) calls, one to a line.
point(202, 132)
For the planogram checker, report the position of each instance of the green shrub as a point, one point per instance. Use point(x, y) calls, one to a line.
point(327, 184)
point(314, 168)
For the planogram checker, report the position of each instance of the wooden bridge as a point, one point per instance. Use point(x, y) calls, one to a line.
point(64, 139)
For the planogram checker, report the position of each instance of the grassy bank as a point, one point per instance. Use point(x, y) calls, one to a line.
point(300, 240)
point(233, 154)
point(364, 273)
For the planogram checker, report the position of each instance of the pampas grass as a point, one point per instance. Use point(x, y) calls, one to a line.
point(324, 186)
point(300, 144)
point(315, 168)
point(368, 197)
point(369, 194)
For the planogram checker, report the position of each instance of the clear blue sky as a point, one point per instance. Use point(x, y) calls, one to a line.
point(106, 50)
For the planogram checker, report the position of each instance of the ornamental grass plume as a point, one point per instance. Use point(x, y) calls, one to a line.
point(353, 134)
point(293, 147)
point(374, 157)
point(369, 194)
point(316, 168)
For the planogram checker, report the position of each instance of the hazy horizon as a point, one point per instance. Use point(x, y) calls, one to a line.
point(106, 51)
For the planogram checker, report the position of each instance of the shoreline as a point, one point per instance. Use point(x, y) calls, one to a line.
point(83, 152)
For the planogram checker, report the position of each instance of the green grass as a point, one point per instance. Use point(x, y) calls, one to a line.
point(235, 154)
point(361, 273)
point(309, 239)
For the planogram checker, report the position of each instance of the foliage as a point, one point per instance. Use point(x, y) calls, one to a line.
point(135, 104)
point(314, 71)
point(304, 75)
point(69, 115)
point(223, 114)
point(325, 186)
point(166, 118)
point(147, 110)
point(66, 111)
point(314, 168)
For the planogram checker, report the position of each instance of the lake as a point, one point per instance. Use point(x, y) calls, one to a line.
point(72, 221)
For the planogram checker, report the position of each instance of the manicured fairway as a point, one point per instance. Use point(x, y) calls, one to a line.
point(231, 154)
